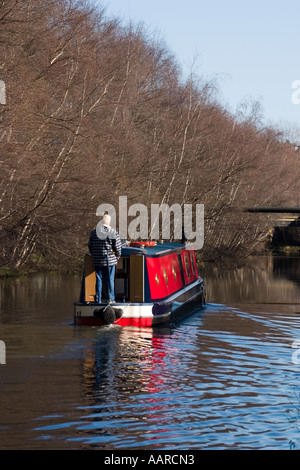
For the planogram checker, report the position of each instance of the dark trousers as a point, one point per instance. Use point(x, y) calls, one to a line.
point(108, 275)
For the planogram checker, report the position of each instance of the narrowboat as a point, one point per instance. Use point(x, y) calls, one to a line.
point(155, 284)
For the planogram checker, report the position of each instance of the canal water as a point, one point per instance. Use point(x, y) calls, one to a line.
point(227, 377)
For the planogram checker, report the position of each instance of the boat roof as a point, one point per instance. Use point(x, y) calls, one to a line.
point(157, 250)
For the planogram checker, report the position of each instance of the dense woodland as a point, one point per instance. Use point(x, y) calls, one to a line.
point(95, 109)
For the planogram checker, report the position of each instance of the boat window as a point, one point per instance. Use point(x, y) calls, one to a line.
point(187, 267)
point(174, 273)
point(193, 264)
point(166, 276)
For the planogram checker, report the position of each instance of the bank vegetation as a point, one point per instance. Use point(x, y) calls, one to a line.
point(94, 110)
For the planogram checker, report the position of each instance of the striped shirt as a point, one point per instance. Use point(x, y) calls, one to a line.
point(100, 246)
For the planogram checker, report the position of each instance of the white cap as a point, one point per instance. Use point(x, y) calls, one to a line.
point(106, 219)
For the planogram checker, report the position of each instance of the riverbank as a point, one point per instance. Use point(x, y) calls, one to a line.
point(41, 265)
point(7, 271)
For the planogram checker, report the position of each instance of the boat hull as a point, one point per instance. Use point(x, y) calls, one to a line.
point(168, 311)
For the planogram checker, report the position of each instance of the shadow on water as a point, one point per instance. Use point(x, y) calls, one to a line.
point(226, 377)
point(266, 279)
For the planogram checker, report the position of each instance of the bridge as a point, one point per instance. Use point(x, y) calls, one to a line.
point(287, 233)
point(274, 209)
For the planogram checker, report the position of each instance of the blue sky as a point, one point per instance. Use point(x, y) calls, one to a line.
point(251, 48)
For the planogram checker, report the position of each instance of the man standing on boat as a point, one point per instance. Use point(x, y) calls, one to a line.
point(105, 248)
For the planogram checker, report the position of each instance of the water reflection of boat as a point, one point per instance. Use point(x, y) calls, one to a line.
point(154, 285)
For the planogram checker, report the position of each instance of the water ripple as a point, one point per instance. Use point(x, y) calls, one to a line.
point(193, 387)
point(224, 378)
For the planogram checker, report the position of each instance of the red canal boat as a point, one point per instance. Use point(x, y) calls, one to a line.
point(155, 284)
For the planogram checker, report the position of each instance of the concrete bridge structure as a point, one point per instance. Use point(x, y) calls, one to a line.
point(287, 229)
